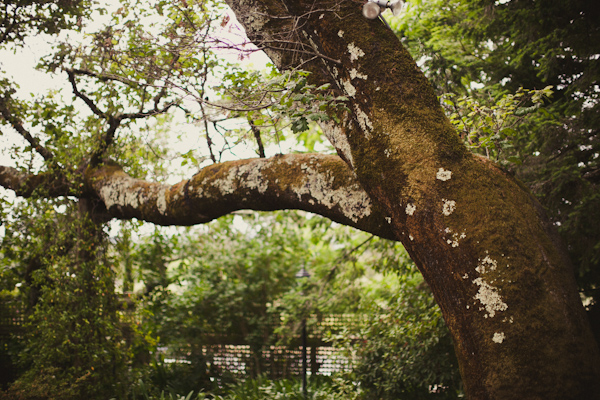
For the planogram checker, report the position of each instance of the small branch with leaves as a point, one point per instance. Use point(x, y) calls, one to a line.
point(17, 125)
point(113, 121)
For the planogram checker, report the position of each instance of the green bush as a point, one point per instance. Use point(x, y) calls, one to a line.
point(403, 350)
point(72, 346)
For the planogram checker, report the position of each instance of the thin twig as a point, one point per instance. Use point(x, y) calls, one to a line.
point(92, 106)
point(259, 142)
point(331, 273)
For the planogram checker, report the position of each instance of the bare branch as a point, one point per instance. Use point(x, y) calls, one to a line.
point(202, 109)
point(145, 114)
point(106, 141)
point(209, 141)
point(103, 77)
point(113, 121)
point(53, 184)
point(83, 97)
point(256, 132)
point(265, 45)
point(18, 126)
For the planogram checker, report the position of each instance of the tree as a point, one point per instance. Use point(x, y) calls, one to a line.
point(527, 45)
point(492, 259)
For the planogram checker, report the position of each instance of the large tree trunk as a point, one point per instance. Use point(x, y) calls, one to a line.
point(495, 266)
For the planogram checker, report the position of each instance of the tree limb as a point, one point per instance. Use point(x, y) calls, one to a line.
point(18, 126)
point(114, 121)
point(259, 142)
point(321, 184)
point(52, 184)
point(92, 106)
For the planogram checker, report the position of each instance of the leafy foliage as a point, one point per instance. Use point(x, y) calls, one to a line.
point(73, 344)
point(243, 287)
point(491, 129)
point(130, 72)
point(261, 388)
point(19, 19)
point(403, 348)
point(319, 388)
point(269, 98)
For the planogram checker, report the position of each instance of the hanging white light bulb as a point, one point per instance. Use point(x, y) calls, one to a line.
point(373, 8)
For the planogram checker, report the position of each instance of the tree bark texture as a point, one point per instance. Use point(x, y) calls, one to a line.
point(492, 260)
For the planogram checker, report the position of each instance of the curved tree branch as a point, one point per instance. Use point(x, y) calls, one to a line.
point(321, 184)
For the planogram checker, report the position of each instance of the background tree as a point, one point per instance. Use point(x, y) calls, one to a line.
point(242, 289)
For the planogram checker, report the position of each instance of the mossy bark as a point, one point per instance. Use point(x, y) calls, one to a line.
point(321, 184)
point(480, 239)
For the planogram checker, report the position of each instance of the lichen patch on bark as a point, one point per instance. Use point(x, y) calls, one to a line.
point(363, 121)
point(498, 337)
point(118, 194)
point(122, 192)
point(489, 298)
point(257, 21)
point(486, 265)
point(250, 173)
point(355, 52)
point(349, 88)
point(353, 202)
point(161, 201)
point(336, 137)
point(448, 207)
point(454, 239)
point(355, 74)
point(443, 175)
